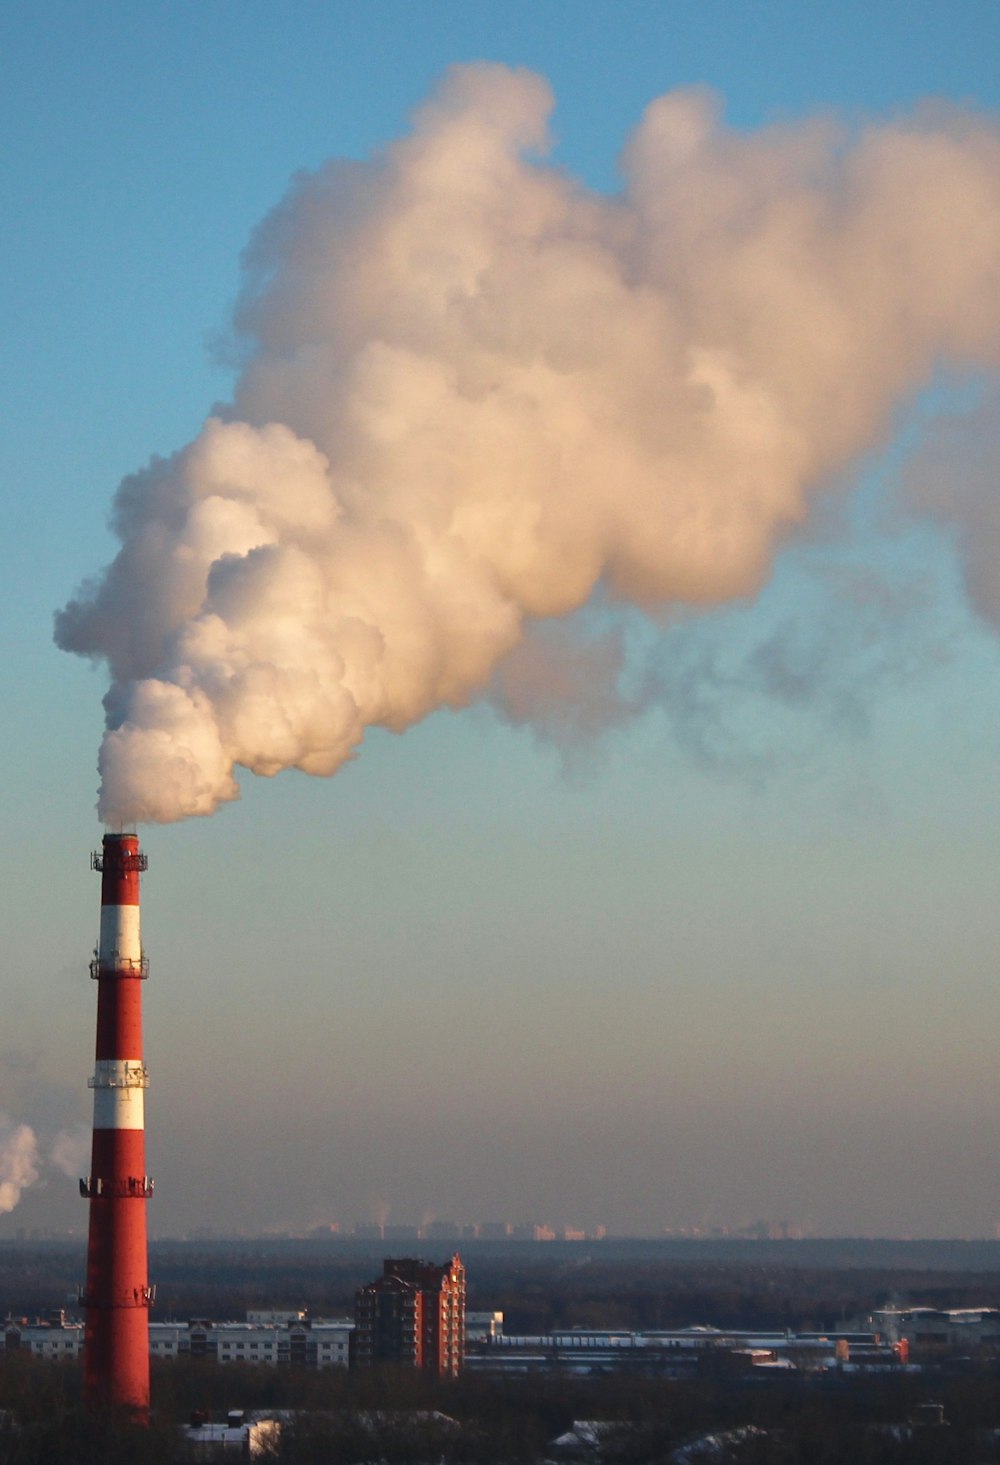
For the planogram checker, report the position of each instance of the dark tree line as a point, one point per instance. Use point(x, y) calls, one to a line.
point(401, 1418)
point(537, 1288)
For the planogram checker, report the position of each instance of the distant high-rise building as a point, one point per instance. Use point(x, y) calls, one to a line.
point(443, 1231)
point(369, 1230)
point(400, 1231)
point(414, 1315)
point(495, 1230)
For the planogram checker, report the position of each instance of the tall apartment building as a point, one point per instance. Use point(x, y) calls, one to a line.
point(414, 1315)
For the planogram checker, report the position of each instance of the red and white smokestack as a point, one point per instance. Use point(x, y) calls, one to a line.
point(117, 1293)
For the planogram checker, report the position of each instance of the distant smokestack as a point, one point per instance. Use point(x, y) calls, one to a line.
point(117, 1295)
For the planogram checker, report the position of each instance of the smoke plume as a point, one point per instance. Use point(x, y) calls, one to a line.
point(18, 1162)
point(474, 391)
point(70, 1150)
point(955, 479)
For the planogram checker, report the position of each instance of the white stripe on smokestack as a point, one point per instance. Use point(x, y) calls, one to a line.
point(121, 944)
point(118, 1085)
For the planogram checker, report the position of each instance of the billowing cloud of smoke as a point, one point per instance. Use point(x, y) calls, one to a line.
point(18, 1162)
point(473, 392)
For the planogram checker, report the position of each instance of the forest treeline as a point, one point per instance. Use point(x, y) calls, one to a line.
point(401, 1418)
point(538, 1290)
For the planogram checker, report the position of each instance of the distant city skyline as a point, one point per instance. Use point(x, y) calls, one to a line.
point(432, 1234)
point(689, 917)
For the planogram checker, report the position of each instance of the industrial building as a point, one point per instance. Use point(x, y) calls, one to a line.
point(683, 1351)
point(937, 1330)
point(414, 1316)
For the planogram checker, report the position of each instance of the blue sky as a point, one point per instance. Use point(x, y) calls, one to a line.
point(736, 959)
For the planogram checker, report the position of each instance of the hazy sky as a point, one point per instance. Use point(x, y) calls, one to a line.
point(718, 945)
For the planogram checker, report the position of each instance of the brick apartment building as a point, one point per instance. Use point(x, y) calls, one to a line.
point(414, 1315)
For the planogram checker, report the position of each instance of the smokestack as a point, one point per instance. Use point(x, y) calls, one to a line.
point(117, 1294)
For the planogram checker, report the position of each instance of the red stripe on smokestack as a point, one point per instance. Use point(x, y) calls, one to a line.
point(117, 1294)
point(120, 872)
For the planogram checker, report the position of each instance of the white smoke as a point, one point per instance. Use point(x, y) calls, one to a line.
point(474, 391)
point(18, 1162)
point(956, 478)
point(70, 1150)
